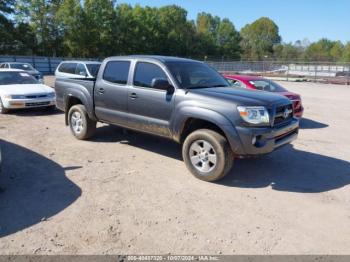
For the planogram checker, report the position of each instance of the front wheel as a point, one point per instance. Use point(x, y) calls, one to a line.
point(207, 155)
point(81, 125)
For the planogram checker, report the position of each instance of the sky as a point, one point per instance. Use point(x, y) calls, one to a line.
point(297, 19)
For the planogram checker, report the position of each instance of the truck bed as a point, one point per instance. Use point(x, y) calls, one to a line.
point(65, 86)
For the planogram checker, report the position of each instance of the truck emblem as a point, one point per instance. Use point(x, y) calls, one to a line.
point(286, 112)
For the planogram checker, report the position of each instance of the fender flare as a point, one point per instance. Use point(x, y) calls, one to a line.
point(187, 112)
point(79, 94)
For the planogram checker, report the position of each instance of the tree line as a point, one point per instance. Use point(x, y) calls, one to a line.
point(101, 28)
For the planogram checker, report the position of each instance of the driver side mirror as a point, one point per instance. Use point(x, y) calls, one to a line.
point(162, 84)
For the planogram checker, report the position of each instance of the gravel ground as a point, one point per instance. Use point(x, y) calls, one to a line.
point(130, 193)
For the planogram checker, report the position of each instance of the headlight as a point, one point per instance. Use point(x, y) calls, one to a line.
point(254, 114)
point(7, 96)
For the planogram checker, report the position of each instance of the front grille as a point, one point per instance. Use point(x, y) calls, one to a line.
point(281, 115)
point(38, 104)
point(35, 96)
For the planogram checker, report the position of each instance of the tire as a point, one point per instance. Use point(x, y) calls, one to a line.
point(81, 126)
point(3, 110)
point(213, 144)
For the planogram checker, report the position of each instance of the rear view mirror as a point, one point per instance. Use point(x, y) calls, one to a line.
point(162, 84)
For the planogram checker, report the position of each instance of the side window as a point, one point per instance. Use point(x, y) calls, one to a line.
point(146, 72)
point(239, 84)
point(1, 65)
point(117, 72)
point(71, 68)
point(62, 68)
point(80, 70)
point(231, 81)
point(68, 68)
point(236, 83)
point(6, 66)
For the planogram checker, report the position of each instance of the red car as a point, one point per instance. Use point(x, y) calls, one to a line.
point(260, 83)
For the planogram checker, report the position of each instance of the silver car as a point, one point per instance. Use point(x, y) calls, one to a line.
point(25, 67)
point(77, 69)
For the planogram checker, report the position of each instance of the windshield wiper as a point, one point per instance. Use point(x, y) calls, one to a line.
point(195, 87)
point(219, 86)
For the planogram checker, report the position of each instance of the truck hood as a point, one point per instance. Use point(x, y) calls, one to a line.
point(25, 89)
point(241, 96)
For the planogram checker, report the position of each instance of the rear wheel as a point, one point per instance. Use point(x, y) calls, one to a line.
point(3, 110)
point(81, 125)
point(207, 155)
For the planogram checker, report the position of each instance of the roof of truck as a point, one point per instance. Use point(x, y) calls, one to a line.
point(155, 57)
point(81, 61)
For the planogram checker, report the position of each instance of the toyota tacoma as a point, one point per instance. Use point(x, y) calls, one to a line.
point(183, 100)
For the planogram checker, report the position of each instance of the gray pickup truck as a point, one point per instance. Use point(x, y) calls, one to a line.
point(183, 100)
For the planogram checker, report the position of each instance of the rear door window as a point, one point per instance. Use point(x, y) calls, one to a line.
point(117, 72)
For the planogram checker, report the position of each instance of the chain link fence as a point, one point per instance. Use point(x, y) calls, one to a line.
point(335, 73)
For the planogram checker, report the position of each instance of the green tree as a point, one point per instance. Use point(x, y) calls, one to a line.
point(287, 52)
point(207, 28)
point(175, 32)
point(337, 51)
point(100, 17)
point(71, 25)
point(259, 38)
point(41, 15)
point(228, 40)
point(6, 26)
point(346, 53)
point(319, 51)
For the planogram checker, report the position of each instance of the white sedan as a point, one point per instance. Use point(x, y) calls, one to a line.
point(19, 89)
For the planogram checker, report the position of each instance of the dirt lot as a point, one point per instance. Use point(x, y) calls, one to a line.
point(131, 193)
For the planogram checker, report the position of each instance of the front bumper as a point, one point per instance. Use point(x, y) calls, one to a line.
point(28, 103)
point(267, 139)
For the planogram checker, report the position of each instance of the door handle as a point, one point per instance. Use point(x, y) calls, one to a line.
point(133, 95)
point(101, 90)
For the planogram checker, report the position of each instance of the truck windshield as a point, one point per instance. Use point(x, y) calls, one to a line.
point(12, 78)
point(26, 67)
point(267, 85)
point(190, 75)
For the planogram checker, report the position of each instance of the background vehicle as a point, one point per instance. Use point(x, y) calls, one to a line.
point(184, 100)
point(260, 83)
point(19, 89)
point(23, 66)
point(77, 69)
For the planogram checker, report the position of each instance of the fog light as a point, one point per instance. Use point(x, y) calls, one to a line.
point(254, 140)
point(12, 103)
